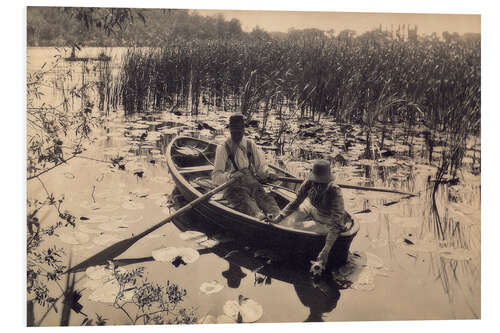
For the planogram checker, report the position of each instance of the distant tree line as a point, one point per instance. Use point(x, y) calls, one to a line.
point(61, 26)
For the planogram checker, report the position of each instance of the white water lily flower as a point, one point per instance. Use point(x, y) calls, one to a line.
point(169, 254)
point(193, 235)
point(249, 310)
point(132, 205)
point(211, 287)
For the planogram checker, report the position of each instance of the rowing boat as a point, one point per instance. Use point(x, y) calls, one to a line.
point(190, 162)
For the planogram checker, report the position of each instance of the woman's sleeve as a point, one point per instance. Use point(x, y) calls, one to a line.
point(337, 204)
point(301, 196)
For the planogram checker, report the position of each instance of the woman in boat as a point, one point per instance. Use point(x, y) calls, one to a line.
point(240, 158)
point(319, 199)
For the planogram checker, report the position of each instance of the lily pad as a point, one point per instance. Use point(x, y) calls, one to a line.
point(73, 237)
point(209, 243)
point(113, 226)
point(89, 205)
point(211, 287)
point(249, 310)
point(108, 293)
point(193, 235)
point(223, 319)
point(365, 281)
point(107, 239)
point(132, 205)
point(208, 319)
point(97, 219)
point(98, 272)
point(86, 229)
point(170, 254)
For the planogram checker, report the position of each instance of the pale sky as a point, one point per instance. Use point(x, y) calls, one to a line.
point(360, 22)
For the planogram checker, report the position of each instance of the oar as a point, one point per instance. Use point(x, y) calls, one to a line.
point(353, 187)
point(115, 250)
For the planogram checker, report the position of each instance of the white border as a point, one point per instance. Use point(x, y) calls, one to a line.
point(13, 166)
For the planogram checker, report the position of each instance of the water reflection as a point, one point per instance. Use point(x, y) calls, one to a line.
point(233, 276)
point(321, 297)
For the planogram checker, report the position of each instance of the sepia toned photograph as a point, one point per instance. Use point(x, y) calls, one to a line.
point(195, 166)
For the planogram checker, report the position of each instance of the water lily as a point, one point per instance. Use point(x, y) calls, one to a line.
point(73, 237)
point(86, 229)
point(112, 226)
point(243, 310)
point(208, 319)
point(108, 293)
point(132, 205)
point(107, 239)
point(193, 235)
point(173, 254)
point(98, 272)
point(97, 219)
point(211, 287)
point(209, 243)
point(223, 319)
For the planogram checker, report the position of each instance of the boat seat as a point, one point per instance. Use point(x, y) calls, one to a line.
point(194, 169)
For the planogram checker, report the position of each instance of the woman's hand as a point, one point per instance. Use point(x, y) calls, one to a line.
point(323, 256)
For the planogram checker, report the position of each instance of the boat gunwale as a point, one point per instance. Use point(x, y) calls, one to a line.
point(241, 217)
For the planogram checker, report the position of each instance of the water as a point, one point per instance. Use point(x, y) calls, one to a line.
point(397, 269)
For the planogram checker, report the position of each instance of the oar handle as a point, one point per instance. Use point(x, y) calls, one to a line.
point(186, 207)
point(352, 187)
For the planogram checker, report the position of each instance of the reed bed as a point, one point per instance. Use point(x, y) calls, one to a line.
point(371, 79)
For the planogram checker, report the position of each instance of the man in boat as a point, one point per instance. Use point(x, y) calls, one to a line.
point(319, 199)
point(240, 158)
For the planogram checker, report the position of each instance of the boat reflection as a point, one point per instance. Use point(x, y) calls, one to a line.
point(319, 295)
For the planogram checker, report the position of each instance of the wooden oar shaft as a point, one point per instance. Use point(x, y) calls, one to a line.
point(353, 187)
point(185, 208)
point(115, 250)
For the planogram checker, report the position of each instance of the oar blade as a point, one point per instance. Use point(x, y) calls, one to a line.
point(103, 256)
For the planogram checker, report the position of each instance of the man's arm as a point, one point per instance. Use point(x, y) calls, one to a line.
point(219, 176)
point(261, 168)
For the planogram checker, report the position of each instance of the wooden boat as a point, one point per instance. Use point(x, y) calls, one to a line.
point(190, 162)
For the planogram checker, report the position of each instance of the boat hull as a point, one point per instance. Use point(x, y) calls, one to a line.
point(290, 243)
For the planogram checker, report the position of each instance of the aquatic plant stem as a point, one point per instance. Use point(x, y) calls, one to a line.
point(52, 167)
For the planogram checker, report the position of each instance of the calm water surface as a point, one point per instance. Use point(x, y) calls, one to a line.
point(400, 272)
